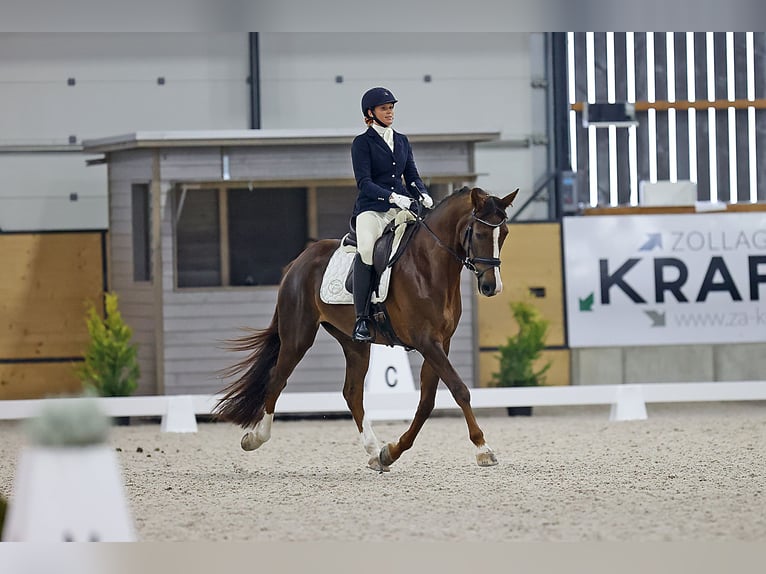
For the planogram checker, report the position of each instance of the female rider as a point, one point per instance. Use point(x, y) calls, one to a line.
point(381, 158)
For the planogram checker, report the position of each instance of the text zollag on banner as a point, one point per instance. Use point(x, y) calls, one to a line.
point(665, 279)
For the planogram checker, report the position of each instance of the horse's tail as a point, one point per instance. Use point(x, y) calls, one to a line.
point(243, 400)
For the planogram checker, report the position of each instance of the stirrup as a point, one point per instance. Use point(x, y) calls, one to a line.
point(362, 330)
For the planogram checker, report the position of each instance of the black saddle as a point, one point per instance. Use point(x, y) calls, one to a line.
point(381, 255)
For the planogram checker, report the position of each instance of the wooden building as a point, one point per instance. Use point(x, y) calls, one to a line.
point(202, 223)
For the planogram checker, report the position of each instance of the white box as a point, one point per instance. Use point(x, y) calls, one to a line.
point(667, 193)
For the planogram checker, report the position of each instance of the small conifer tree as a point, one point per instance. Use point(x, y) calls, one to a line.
point(111, 362)
point(518, 355)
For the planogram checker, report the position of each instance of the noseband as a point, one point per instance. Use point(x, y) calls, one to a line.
point(467, 244)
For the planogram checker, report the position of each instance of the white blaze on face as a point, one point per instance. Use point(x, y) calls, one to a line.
point(496, 255)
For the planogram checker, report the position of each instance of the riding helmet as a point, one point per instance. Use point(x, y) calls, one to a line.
point(376, 97)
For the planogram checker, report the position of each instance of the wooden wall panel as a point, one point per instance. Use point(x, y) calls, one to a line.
point(38, 380)
point(46, 281)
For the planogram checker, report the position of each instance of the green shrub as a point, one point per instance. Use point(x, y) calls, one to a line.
point(518, 355)
point(111, 362)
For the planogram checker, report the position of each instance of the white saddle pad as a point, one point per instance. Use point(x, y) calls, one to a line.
point(333, 289)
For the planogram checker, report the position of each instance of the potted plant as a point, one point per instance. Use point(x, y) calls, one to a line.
point(110, 368)
point(521, 351)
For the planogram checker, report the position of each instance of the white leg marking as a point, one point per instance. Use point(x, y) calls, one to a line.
point(496, 255)
point(482, 449)
point(368, 438)
point(485, 456)
point(263, 428)
point(254, 439)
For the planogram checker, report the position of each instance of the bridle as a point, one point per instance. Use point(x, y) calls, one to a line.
point(468, 261)
point(467, 243)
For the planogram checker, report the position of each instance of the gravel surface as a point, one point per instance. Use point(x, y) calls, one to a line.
point(691, 472)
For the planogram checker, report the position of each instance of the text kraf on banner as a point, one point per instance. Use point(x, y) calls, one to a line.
point(657, 279)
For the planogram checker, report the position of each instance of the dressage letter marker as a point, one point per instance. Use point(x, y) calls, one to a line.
point(389, 372)
point(68, 485)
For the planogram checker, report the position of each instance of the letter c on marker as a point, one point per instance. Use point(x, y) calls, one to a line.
point(391, 380)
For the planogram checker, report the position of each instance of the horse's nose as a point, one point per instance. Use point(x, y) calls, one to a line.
point(487, 290)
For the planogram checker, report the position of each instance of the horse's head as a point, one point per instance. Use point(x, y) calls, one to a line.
point(484, 236)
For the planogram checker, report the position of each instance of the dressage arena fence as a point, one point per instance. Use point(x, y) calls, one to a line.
point(628, 402)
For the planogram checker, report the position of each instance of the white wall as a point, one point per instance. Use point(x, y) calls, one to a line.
point(479, 81)
point(115, 91)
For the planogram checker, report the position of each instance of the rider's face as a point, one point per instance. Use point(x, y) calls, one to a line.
point(385, 114)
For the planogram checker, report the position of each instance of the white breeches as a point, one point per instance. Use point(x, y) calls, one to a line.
point(370, 226)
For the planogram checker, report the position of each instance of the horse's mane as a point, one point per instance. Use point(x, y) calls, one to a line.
point(465, 190)
point(491, 205)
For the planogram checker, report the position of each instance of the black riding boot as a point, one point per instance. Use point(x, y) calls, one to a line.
point(362, 295)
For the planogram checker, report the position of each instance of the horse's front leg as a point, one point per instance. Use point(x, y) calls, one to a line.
point(357, 361)
point(428, 383)
point(437, 357)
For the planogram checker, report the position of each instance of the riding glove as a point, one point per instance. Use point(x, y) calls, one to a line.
point(426, 200)
point(400, 200)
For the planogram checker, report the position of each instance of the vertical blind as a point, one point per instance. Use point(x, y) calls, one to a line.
point(700, 109)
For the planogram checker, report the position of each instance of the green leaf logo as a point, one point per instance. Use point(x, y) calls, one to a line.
point(587, 303)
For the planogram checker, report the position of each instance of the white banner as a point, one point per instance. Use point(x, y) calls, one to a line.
point(659, 279)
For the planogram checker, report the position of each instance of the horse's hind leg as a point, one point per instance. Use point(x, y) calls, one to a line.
point(293, 348)
point(251, 440)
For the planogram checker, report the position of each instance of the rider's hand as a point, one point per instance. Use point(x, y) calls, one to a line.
point(426, 200)
point(401, 201)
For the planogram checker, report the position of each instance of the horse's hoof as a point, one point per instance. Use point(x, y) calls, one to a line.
point(250, 441)
point(375, 464)
point(486, 458)
point(385, 457)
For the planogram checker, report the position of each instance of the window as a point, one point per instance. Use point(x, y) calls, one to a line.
point(198, 247)
point(237, 236)
point(141, 225)
point(334, 207)
point(267, 230)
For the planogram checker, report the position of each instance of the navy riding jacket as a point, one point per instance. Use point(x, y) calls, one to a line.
point(379, 171)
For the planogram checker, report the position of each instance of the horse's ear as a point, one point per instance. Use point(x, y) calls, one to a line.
point(478, 197)
point(508, 199)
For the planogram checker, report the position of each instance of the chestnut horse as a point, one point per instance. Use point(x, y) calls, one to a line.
point(468, 229)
